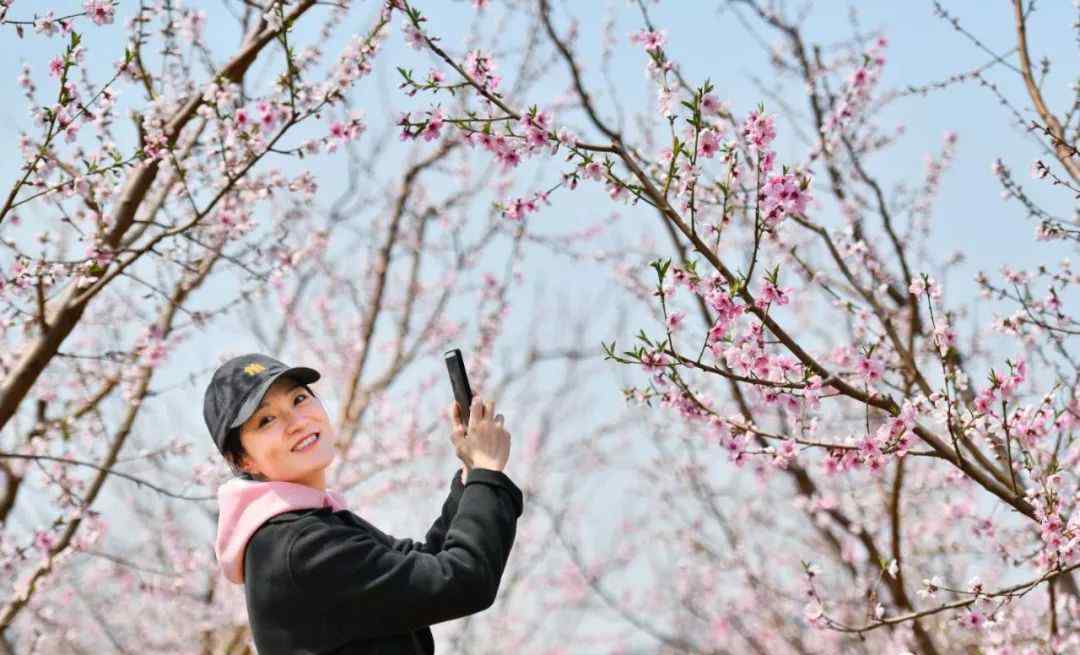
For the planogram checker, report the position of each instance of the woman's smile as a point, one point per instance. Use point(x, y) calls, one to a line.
point(307, 443)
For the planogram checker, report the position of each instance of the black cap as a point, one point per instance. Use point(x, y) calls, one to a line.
point(237, 388)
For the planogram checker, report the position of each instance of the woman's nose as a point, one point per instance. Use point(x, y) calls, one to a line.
point(292, 420)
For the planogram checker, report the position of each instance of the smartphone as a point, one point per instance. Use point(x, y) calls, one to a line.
point(455, 365)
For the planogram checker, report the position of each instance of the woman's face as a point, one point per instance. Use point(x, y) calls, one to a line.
point(287, 416)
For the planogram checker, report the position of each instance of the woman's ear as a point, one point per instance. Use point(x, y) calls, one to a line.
point(247, 465)
point(242, 463)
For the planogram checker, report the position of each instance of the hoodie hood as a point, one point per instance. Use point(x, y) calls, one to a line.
point(244, 505)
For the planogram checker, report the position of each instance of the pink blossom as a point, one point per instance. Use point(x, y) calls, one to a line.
point(651, 40)
point(404, 120)
point(153, 348)
point(930, 587)
point(860, 78)
point(508, 157)
point(928, 285)
point(708, 143)
point(515, 210)
point(1052, 302)
point(535, 138)
point(305, 183)
point(56, 66)
point(539, 120)
point(736, 449)
point(518, 208)
point(413, 36)
point(773, 293)
point(654, 361)
point(711, 105)
point(682, 278)
point(868, 446)
point(788, 449)
point(768, 161)
point(761, 366)
point(983, 400)
point(565, 137)
point(974, 620)
point(480, 66)
point(46, 25)
point(594, 170)
point(786, 366)
point(944, 338)
point(784, 195)
point(665, 102)
point(871, 369)
point(489, 142)
point(875, 463)
point(155, 144)
point(675, 321)
point(99, 11)
point(616, 191)
point(43, 541)
point(759, 130)
point(267, 118)
point(434, 125)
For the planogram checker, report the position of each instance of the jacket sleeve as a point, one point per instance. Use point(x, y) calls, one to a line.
point(378, 591)
point(436, 535)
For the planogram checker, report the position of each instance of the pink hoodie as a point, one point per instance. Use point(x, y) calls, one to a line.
point(244, 505)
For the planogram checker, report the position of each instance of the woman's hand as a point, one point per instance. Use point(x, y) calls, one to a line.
point(484, 443)
point(457, 436)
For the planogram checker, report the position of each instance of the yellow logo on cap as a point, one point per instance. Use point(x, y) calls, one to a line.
point(252, 369)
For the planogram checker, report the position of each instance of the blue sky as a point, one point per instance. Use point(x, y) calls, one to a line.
point(708, 42)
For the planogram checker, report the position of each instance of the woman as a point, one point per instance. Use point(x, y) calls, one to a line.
point(317, 577)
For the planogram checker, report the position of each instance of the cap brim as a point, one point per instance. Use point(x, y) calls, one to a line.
point(303, 374)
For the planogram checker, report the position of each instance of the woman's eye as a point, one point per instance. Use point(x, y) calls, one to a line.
point(299, 396)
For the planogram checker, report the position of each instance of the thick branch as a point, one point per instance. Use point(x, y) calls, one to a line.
point(1064, 152)
point(37, 354)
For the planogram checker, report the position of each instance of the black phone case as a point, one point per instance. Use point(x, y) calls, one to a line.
point(459, 380)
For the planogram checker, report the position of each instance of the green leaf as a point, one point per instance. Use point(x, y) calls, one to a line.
point(643, 337)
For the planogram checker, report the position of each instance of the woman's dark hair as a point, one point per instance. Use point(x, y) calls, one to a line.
point(233, 449)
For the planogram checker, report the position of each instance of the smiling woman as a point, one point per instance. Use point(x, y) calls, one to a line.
point(318, 578)
point(274, 444)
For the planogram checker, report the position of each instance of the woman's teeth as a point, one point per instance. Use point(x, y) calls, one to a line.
point(306, 443)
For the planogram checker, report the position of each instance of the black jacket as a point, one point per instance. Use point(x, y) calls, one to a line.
point(319, 581)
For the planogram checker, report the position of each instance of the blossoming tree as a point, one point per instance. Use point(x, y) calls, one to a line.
point(128, 241)
point(826, 357)
point(836, 469)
